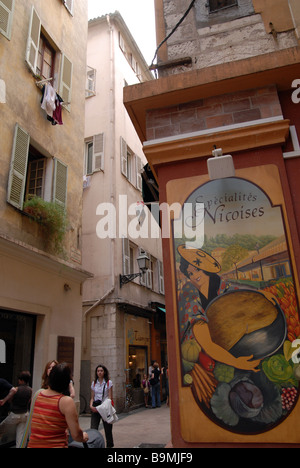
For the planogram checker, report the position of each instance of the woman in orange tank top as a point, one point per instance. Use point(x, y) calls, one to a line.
point(54, 413)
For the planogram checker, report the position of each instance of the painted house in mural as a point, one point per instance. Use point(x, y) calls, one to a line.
point(41, 161)
point(267, 264)
point(227, 78)
point(123, 324)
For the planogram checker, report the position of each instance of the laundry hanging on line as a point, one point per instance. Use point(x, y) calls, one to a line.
point(51, 104)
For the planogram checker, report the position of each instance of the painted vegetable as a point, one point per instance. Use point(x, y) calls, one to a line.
point(204, 384)
point(206, 362)
point(223, 373)
point(187, 366)
point(286, 296)
point(278, 370)
point(246, 399)
point(190, 350)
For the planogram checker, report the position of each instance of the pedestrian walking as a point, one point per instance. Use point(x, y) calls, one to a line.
point(20, 399)
point(155, 385)
point(101, 389)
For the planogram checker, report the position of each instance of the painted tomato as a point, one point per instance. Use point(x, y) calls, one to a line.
point(206, 362)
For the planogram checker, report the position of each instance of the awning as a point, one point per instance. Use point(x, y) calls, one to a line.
point(158, 306)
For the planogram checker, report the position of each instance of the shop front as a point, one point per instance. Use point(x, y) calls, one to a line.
point(138, 356)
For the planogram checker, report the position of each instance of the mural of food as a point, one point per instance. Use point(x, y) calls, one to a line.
point(237, 310)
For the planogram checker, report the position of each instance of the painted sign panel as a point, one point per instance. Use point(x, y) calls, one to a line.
point(237, 315)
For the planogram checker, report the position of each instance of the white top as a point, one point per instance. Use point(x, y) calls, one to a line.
point(98, 389)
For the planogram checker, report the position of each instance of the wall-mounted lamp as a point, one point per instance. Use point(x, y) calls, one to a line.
point(143, 263)
point(67, 287)
point(220, 167)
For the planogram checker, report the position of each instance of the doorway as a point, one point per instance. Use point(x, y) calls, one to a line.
point(17, 331)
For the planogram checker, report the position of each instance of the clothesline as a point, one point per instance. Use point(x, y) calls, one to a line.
point(51, 104)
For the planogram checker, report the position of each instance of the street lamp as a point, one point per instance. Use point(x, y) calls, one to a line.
point(143, 263)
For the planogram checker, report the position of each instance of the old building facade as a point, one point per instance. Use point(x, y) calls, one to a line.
point(41, 160)
point(123, 323)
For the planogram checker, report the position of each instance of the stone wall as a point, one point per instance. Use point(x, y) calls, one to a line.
point(231, 34)
point(213, 112)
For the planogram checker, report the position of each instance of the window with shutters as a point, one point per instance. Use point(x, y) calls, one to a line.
point(131, 165)
point(35, 180)
point(90, 87)
point(94, 154)
point(6, 17)
point(46, 60)
point(34, 174)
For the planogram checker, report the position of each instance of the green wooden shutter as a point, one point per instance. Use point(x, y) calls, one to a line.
point(65, 87)
point(33, 40)
point(18, 168)
point(98, 152)
point(6, 15)
point(60, 183)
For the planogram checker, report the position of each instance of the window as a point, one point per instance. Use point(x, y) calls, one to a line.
point(94, 154)
point(130, 253)
point(131, 165)
point(90, 87)
point(45, 61)
point(6, 17)
point(44, 58)
point(129, 56)
point(89, 158)
point(31, 173)
point(35, 175)
point(215, 5)
point(122, 43)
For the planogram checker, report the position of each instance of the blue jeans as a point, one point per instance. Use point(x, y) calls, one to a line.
point(156, 395)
